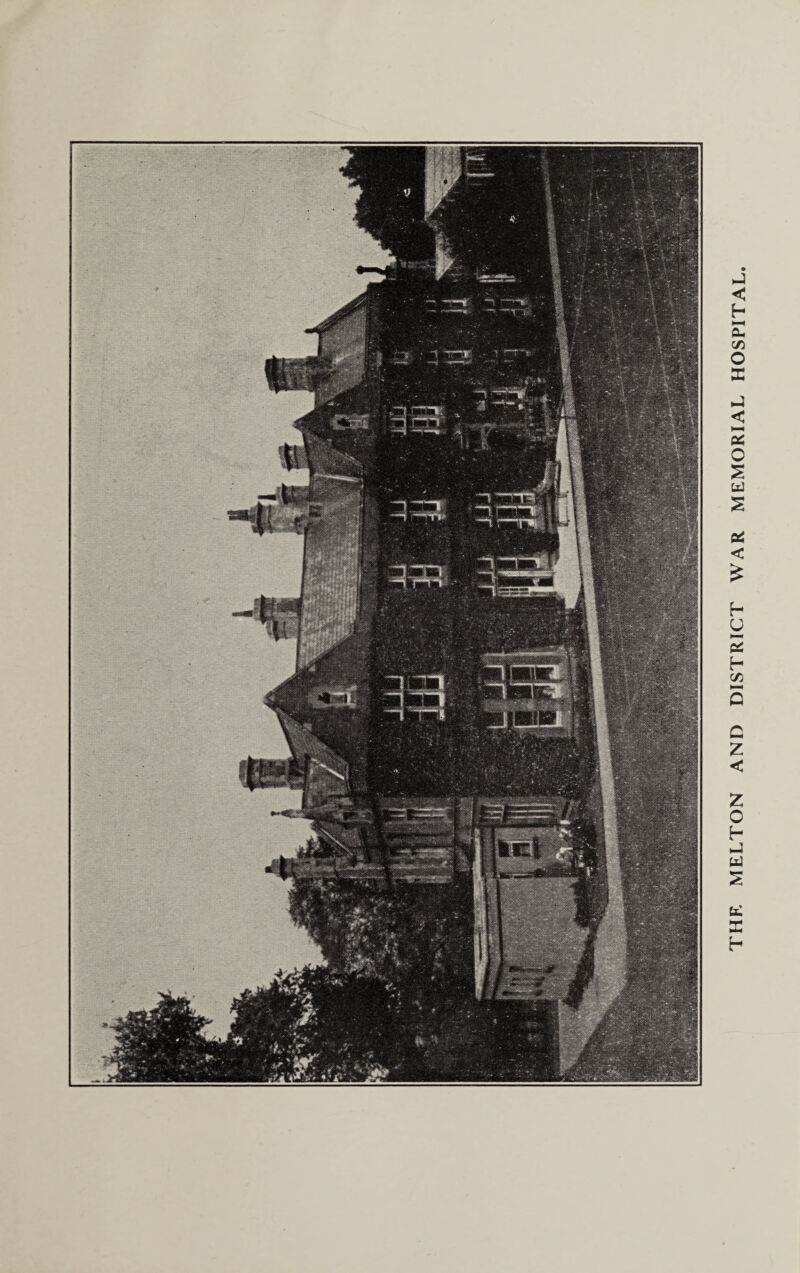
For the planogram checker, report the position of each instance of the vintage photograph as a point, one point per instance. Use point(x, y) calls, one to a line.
point(385, 549)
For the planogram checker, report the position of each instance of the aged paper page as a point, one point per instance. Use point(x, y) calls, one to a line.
point(698, 1176)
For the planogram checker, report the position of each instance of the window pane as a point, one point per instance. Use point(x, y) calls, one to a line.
point(520, 672)
point(522, 720)
point(520, 691)
point(494, 720)
point(491, 672)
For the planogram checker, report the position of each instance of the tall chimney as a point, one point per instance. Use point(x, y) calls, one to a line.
point(280, 615)
point(270, 517)
point(292, 456)
point(257, 773)
point(295, 373)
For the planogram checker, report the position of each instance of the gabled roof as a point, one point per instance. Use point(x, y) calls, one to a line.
point(343, 349)
point(331, 576)
point(338, 314)
point(443, 170)
point(306, 747)
point(326, 775)
point(322, 783)
point(323, 458)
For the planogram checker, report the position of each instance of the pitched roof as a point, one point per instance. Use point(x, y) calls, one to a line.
point(306, 747)
point(323, 458)
point(330, 590)
point(322, 783)
point(326, 775)
point(443, 169)
point(339, 313)
point(343, 343)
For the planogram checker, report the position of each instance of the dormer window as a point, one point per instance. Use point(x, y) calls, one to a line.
point(342, 422)
point(324, 696)
point(400, 358)
point(456, 357)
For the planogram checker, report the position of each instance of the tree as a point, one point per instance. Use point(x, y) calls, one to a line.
point(415, 935)
point(311, 1024)
point(390, 205)
point(501, 226)
point(163, 1045)
point(315, 1025)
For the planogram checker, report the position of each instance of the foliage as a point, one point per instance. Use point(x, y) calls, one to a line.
point(393, 1001)
point(418, 941)
point(315, 1025)
point(390, 203)
point(499, 226)
point(311, 1024)
point(418, 933)
point(163, 1045)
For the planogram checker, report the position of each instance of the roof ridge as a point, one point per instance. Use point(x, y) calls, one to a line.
point(339, 313)
point(308, 736)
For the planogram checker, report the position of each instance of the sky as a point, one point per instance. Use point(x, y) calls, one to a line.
point(190, 266)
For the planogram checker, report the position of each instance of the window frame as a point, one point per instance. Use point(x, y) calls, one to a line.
point(361, 416)
point(403, 579)
point(512, 708)
point(508, 849)
point(498, 580)
point(413, 510)
point(494, 503)
point(461, 305)
point(400, 815)
point(517, 306)
point(536, 813)
point(507, 398)
point(417, 419)
point(402, 689)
